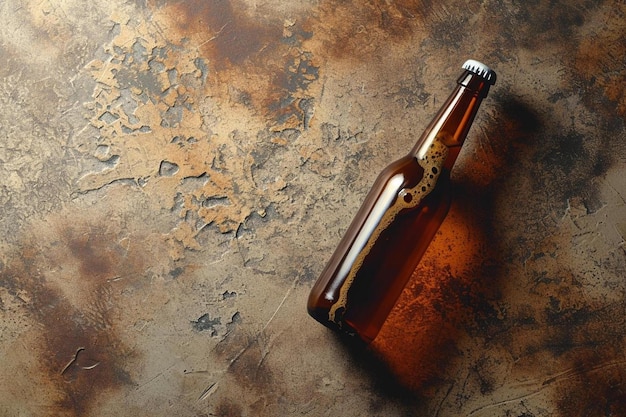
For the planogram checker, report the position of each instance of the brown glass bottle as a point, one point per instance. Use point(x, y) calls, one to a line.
point(398, 219)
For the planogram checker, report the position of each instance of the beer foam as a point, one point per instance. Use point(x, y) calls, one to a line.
point(432, 164)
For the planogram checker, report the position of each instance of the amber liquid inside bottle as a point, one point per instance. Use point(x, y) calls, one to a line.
point(396, 223)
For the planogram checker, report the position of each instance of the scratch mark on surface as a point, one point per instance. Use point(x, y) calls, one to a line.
point(443, 400)
point(208, 391)
point(282, 302)
point(80, 349)
point(619, 194)
point(158, 375)
point(220, 259)
point(505, 402)
point(560, 376)
point(87, 368)
point(212, 38)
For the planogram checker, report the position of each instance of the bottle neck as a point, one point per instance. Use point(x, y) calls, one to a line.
point(452, 122)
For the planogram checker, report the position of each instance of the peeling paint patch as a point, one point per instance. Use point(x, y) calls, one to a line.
point(157, 110)
point(206, 323)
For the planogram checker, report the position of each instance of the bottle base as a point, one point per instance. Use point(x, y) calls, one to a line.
point(344, 329)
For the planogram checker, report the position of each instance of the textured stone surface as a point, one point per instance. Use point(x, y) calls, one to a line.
point(175, 174)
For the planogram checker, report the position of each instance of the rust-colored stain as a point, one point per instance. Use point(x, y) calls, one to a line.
point(257, 61)
point(223, 31)
point(66, 282)
point(176, 173)
point(599, 60)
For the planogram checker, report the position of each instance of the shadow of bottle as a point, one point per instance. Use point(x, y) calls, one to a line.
point(454, 293)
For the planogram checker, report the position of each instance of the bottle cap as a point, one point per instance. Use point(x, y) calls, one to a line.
point(480, 69)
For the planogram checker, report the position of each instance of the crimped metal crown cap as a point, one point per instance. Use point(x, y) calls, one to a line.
point(480, 69)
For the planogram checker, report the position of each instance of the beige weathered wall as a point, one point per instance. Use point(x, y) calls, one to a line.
point(175, 174)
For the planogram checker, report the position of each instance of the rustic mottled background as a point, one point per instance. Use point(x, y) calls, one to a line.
point(175, 174)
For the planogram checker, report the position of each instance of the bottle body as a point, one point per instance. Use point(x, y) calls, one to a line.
point(396, 222)
point(379, 252)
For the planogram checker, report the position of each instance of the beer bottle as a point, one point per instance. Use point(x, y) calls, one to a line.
point(399, 217)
